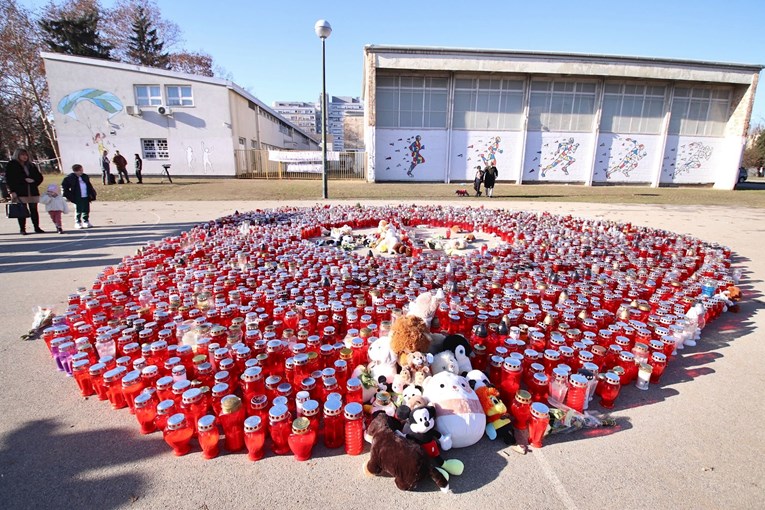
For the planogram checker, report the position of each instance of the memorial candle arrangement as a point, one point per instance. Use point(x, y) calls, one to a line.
point(250, 329)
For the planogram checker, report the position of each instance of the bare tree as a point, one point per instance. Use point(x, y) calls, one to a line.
point(24, 90)
point(118, 20)
point(192, 62)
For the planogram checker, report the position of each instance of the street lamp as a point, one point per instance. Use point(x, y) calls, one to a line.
point(323, 29)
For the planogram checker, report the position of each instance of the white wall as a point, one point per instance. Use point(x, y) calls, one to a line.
point(696, 160)
point(199, 137)
point(550, 155)
point(623, 158)
point(472, 148)
point(394, 157)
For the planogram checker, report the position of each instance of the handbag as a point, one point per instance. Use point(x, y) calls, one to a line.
point(16, 210)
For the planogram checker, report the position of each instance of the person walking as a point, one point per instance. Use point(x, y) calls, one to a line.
point(138, 169)
point(55, 205)
point(78, 190)
point(23, 179)
point(477, 180)
point(121, 163)
point(106, 173)
point(489, 178)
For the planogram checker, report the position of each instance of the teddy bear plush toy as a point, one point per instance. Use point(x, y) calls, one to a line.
point(422, 430)
point(418, 365)
point(426, 305)
point(408, 334)
point(458, 410)
point(399, 457)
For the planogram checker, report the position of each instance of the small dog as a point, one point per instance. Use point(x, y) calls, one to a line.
point(461, 192)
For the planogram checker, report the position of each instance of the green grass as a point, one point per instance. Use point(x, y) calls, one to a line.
point(191, 189)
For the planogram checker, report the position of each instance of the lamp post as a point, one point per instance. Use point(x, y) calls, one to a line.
point(323, 29)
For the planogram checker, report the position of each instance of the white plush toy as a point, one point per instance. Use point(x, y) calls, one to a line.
point(426, 305)
point(459, 414)
point(382, 361)
point(696, 316)
point(444, 362)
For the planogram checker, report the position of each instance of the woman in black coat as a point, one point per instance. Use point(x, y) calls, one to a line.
point(23, 179)
point(489, 177)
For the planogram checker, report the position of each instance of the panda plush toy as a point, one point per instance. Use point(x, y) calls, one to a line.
point(422, 430)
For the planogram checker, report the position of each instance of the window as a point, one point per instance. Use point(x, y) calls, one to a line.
point(284, 129)
point(179, 95)
point(561, 106)
point(488, 103)
point(632, 108)
point(253, 144)
point(155, 148)
point(412, 102)
point(699, 111)
point(148, 95)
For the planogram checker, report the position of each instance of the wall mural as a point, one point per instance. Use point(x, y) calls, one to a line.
point(692, 159)
point(407, 155)
point(94, 109)
point(691, 156)
point(561, 157)
point(625, 158)
point(481, 148)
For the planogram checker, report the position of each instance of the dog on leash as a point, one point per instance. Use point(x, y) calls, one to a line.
point(461, 192)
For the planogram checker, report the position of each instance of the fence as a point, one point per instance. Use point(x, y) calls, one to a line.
point(256, 164)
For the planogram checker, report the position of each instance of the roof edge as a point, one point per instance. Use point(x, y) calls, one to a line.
point(374, 48)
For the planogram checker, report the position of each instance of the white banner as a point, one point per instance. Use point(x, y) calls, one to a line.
point(311, 168)
point(301, 156)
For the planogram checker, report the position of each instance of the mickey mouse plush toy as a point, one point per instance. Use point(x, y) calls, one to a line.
point(422, 430)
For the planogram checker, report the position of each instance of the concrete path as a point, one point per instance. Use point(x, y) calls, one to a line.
point(695, 442)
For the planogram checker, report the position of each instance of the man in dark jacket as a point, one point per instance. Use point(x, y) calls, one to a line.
point(121, 163)
point(106, 169)
point(78, 190)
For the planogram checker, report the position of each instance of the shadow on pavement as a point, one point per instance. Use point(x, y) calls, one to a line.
point(44, 466)
point(54, 251)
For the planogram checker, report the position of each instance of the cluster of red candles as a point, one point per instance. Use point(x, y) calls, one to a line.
point(246, 326)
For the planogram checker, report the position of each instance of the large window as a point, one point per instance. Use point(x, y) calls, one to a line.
point(632, 108)
point(155, 148)
point(411, 102)
point(488, 103)
point(561, 106)
point(699, 111)
point(148, 95)
point(179, 95)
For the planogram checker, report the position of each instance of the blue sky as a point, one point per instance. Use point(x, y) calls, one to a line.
point(270, 47)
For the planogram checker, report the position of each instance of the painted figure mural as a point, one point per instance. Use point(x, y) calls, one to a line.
point(628, 156)
point(691, 156)
point(415, 148)
point(94, 109)
point(562, 158)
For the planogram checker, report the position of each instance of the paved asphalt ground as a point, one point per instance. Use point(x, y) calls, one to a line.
point(694, 442)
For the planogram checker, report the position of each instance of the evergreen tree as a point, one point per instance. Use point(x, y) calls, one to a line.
point(75, 35)
point(144, 45)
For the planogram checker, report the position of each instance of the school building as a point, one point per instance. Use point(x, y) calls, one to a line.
point(198, 125)
point(434, 114)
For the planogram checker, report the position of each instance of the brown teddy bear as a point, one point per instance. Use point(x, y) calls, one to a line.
point(398, 457)
point(418, 365)
point(409, 334)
